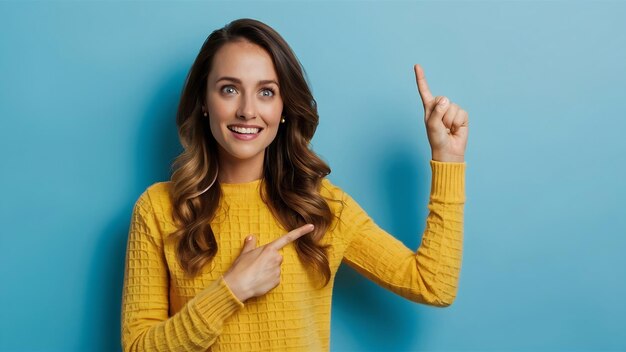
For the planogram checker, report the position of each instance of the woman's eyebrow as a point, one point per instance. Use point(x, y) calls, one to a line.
point(237, 80)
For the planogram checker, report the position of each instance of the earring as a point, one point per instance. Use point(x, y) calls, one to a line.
point(282, 120)
point(212, 182)
point(205, 114)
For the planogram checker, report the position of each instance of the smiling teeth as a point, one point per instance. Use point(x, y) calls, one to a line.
point(244, 130)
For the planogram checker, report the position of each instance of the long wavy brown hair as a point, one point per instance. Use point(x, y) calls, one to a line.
point(292, 172)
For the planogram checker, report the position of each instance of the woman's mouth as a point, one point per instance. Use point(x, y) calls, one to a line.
point(245, 133)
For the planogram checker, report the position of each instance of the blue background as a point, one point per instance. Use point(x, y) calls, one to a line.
point(88, 93)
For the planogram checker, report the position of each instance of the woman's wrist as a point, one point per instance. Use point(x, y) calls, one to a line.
point(445, 158)
point(234, 288)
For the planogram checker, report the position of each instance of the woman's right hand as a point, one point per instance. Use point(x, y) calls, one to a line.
point(257, 270)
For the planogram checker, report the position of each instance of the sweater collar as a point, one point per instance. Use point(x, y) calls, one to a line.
point(251, 187)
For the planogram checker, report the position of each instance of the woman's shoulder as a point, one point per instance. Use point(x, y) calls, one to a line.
point(342, 200)
point(335, 196)
point(330, 190)
point(156, 199)
point(159, 189)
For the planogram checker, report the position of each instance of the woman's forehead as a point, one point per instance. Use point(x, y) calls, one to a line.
point(243, 60)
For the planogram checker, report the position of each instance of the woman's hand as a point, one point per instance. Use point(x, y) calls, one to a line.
point(446, 123)
point(257, 270)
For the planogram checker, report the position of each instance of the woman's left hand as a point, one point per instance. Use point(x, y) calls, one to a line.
point(446, 123)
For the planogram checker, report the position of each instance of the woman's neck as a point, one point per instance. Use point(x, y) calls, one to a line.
point(233, 170)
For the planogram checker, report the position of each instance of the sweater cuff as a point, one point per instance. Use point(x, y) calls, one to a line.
point(448, 182)
point(216, 303)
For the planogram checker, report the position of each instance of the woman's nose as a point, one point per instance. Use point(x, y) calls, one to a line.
point(247, 108)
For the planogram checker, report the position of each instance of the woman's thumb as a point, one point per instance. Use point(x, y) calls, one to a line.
point(249, 244)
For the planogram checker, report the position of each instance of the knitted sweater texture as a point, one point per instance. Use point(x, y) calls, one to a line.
point(165, 310)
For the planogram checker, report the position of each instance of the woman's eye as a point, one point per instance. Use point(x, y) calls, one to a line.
point(226, 89)
point(270, 91)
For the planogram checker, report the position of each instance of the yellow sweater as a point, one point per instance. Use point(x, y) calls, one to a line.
point(162, 310)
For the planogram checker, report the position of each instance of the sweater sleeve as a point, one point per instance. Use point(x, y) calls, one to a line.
point(429, 275)
point(145, 321)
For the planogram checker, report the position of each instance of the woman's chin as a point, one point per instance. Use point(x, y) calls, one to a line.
point(245, 155)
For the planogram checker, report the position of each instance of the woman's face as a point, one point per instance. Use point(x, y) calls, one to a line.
point(242, 90)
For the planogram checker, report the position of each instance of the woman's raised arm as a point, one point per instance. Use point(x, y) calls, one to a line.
point(429, 275)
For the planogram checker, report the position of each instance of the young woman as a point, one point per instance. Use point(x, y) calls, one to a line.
point(239, 250)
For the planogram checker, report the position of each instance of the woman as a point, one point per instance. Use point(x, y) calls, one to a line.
point(194, 279)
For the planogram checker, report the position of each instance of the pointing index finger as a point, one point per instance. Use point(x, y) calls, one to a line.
point(290, 237)
point(422, 86)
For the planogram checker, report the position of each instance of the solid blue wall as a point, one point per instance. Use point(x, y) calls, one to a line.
point(88, 93)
